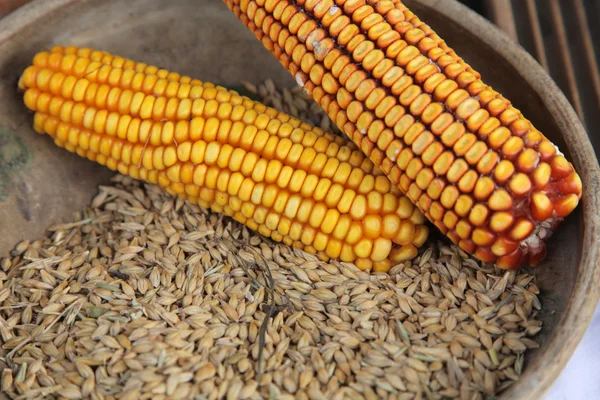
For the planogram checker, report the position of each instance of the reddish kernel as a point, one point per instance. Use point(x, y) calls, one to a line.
point(560, 167)
point(467, 245)
point(566, 205)
point(512, 260)
point(541, 206)
point(502, 247)
point(570, 185)
point(484, 254)
point(522, 229)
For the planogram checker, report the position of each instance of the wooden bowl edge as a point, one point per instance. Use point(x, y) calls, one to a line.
point(540, 376)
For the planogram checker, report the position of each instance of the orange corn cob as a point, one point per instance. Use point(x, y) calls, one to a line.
point(459, 150)
point(279, 176)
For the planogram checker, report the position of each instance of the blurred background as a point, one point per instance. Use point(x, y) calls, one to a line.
point(564, 37)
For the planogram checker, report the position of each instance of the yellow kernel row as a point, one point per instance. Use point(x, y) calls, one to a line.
point(156, 139)
point(57, 60)
point(116, 106)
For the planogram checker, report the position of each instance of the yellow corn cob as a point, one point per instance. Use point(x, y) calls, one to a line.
point(283, 178)
point(131, 75)
point(468, 159)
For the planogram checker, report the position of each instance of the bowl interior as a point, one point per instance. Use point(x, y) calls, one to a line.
point(41, 184)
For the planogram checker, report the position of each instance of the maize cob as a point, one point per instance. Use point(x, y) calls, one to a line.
point(479, 171)
point(104, 60)
point(279, 176)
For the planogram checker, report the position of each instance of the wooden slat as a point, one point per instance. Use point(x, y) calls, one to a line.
point(6, 6)
point(536, 30)
point(563, 36)
point(503, 16)
point(590, 55)
point(563, 45)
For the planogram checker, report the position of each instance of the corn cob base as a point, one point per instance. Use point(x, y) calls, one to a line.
point(279, 176)
point(468, 159)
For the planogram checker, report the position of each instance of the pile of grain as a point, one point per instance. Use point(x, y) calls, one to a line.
point(146, 296)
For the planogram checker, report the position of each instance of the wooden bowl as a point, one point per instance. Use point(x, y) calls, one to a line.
point(41, 184)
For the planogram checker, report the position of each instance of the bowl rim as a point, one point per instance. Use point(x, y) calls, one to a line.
point(537, 379)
